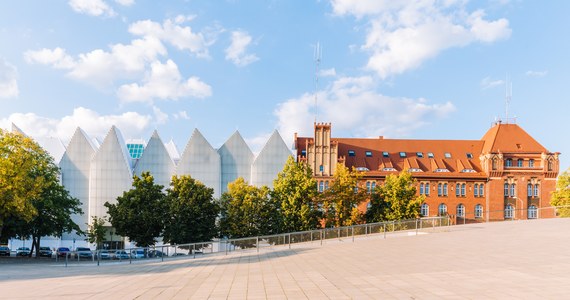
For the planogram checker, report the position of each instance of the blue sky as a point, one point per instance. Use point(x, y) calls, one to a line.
point(402, 69)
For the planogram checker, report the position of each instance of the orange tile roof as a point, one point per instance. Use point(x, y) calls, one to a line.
point(510, 138)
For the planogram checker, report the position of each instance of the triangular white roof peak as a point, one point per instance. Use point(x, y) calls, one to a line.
point(115, 134)
point(16, 129)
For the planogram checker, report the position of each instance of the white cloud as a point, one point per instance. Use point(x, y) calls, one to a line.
point(159, 116)
point(328, 72)
point(536, 73)
point(96, 125)
point(487, 83)
point(164, 82)
point(182, 115)
point(353, 105)
point(8, 80)
point(92, 7)
point(404, 34)
point(236, 52)
point(57, 58)
point(125, 2)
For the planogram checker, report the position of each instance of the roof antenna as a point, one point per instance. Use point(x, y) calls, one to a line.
point(317, 56)
point(508, 97)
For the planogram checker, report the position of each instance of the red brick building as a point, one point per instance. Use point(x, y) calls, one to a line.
point(506, 174)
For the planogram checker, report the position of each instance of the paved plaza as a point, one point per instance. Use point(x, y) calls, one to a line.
point(504, 260)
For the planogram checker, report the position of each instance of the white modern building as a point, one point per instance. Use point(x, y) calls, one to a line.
point(98, 172)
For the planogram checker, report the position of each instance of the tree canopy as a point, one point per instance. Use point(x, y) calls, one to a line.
point(190, 212)
point(395, 199)
point(561, 197)
point(340, 202)
point(248, 211)
point(295, 191)
point(138, 213)
point(97, 231)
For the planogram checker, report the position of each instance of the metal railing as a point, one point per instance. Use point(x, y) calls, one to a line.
point(514, 214)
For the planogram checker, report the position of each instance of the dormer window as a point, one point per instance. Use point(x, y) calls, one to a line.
point(414, 170)
point(351, 153)
point(469, 155)
point(402, 154)
point(419, 154)
point(368, 153)
point(468, 171)
point(362, 169)
point(385, 154)
point(441, 170)
point(447, 155)
point(430, 154)
point(389, 170)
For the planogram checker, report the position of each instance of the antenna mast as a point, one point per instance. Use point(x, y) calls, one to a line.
point(318, 54)
point(508, 97)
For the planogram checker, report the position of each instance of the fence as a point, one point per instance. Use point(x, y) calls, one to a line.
point(508, 214)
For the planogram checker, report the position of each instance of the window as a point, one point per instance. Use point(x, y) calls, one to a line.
point(368, 186)
point(321, 186)
point(476, 190)
point(388, 169)
point(529, 190)
point(427, 189)
point(463, 190)
point(508, 162)
point(351, 153)
point(519, 163)
point(506, 188)
point(326, 185)
point(447, 155)
point(430, 154)
point(355, 189)
point(368, 153)
point(457, 189)
point(369, 205)
point(536, 190)
point(509, 211)
point(532, 212)
point(461, 210)
point(422, 191)
point(442, 209)
point(402, 154)
point(531, 163)
point(445, 189)
point(439, 189)
point(424, 211)
point(494, 164)
point(513, 188)
point(481, 194)
point(373, 186)
point(420, 154)
point(550, 166)
point(321, 168)
point(385, 154)
point(478, 211)
point(470, 155)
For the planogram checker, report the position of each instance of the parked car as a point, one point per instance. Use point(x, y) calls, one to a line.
point(137, 253)
point(156, 253)
point(45, 252)
point(83, 252)
point(4, 251)
point(121, 254)
point(62, 251)
point(104, 254)
point(23, 251)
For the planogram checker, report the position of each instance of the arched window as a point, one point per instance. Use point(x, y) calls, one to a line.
point(326, 185)
point(321, 186)
point(532, 212)
point(494, 164)
point(373, 186)
point(509, 162)
point(536, 190)
point(513, 189)
point(424, 210)
point(439, 189)
point(442, 209)
point(481, 193)
point(476, 190)
point(463, 189)
point(519, 163)
point(506, 189)
point(478, 211)
point(445, 189)
point(550, 165)
point(509, 211)
point(529, 190)
point(427, 189)
point(422, 188)
point(461, 210)
point(457, 189)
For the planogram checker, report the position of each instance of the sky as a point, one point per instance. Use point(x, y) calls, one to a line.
point(400, 69)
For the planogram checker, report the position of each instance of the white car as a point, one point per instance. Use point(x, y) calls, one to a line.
point(137, 253)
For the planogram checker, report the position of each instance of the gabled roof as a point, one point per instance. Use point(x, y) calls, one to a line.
point(510, 138)
point(114, 139)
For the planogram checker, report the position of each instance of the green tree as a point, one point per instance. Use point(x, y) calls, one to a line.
point(340, 202)
point(26, 170)
point(190, 212)
point(96, 232)
point(295, 190)
point(248, 211)
point(395, 199)
point(138, 213)
point(561, 197)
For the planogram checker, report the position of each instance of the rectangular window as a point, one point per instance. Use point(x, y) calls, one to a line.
point(303, 152)
point(421, 188)
point(439, 189)
point(402, 154)
point(427, 189)
point(531, 163)
point(430, 154)
point(457, 189)
point(351, 153)
point(321, 168)
point(419, 154)
point(463, 190)
point(506, 187)
point(445, 189)
point(476, 190)
point(447, 155)
point(368, 153)
point(385, 154)
point(481, 194)
point(470, 155)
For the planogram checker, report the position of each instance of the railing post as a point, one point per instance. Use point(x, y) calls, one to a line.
point(257, 243)
point(338, 233)
point(384, 230)
point(416, 226)
point(352, 229)
point(66, 255)
point(226, 246)
point(162, 253)
point(321, 237)
point(193, 250)
point(289, 240)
